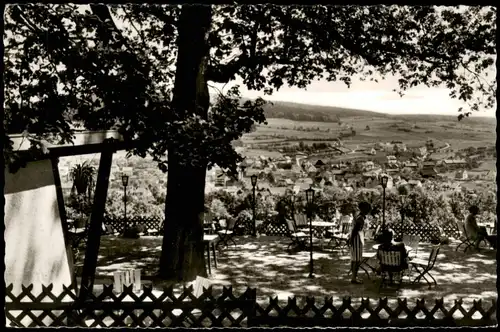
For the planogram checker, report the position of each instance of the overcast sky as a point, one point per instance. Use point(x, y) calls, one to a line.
point(370, 96)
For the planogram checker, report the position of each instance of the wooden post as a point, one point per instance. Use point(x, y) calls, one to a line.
point(95, 228)
point(63, 217)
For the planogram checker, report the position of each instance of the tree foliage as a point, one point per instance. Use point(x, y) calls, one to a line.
point(68, 65)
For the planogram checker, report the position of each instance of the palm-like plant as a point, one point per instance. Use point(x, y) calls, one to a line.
point(82, 176)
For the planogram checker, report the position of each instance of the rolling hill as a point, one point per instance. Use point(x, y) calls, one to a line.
point(305, 112)
point(316, 113)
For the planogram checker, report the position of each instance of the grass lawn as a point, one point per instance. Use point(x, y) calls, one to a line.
point(264, 264)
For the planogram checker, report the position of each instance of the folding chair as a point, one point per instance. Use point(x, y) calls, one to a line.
point(226, 233)
point(413, 242)
point(78, 237)
point(208, 223)
point(391, 264)
point(464, 239)
point(341, 238)
point(298, 238)
point(199, 285)
point(108, 230)
point(301, 221)
point(369, 233)
point(424, 268)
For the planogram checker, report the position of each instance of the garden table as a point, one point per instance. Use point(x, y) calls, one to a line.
point(375, 247)
point(209, 241)
point(488, 226)
point(209, 227)
point(320, 227)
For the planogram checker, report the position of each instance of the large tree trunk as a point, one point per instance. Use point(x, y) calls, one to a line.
point(182, 255)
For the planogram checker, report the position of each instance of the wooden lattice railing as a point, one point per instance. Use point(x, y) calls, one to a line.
point(379, 314)
point(166, 309)
point(425, 231)
point(144, 309)
point(148, 223)
point(271, 228)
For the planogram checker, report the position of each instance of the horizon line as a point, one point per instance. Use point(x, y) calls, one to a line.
point(473, 113)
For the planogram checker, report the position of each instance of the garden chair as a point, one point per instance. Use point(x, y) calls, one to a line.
point(424, 267)
point(301, 221)
point(369, 233)
point(108, 230)
point(198, 287)
point(226, 233)
point(208, 223)
point(464, 239)
point(391, 265)
point(340, 238)
point(78, 237)
point(298, 238)
point(412, 241)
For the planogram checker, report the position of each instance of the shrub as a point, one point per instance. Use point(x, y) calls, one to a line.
point(132, 232)
point(218, 209)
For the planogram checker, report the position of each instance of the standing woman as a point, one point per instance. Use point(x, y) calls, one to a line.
point(356, 240)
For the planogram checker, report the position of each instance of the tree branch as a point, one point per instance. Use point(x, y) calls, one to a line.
point(139, 32)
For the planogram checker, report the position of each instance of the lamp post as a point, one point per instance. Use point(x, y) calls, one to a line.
point(310, 200)
point(125, 184)
point(253, 179)
point(383, 181)
point(403, 202)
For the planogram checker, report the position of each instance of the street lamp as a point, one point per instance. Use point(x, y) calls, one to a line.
point(403, 202)
point(253, 179)
point(383, 181)
point(125, 184)
point(310, 200)
point(292, 200)
point(294, 192)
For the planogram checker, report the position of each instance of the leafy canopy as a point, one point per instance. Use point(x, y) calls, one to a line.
point(106, 67)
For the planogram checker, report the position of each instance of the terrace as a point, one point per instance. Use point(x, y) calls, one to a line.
point(263, 263)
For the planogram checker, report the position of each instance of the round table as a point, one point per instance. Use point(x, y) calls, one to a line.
point(321, 226)
point(375, 247)
point(488, 226)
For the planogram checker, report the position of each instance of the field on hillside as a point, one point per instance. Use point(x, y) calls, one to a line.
point(413, 132)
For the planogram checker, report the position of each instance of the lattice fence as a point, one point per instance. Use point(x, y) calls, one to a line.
point(451, 231)
point(367, 313)
point(151, 308)
point(282, 230)
point(426, 232)
point(145, 309)
point(272, 228)
point(119, 224)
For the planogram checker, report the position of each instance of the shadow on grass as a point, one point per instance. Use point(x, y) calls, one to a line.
point(265, 264)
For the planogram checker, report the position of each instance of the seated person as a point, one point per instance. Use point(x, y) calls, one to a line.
point(476, 233)
point(282, 209)
point(388, 245)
